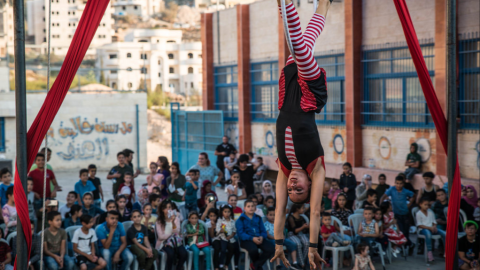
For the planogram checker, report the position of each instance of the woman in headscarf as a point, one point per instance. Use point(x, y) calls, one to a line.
point(206, 189)
point(361, 190)
point(142, 199)
point(267, 189)
point(471, 197)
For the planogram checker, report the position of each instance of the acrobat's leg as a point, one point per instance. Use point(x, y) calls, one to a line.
point(306, 64)
point(314, 29)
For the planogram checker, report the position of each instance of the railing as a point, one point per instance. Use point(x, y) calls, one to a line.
point(469, 67)
point(226, 91)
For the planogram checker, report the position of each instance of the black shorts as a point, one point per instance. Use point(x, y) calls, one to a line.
point(79, 260)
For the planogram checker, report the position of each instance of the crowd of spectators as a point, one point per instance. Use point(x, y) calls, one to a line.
point(178, 212)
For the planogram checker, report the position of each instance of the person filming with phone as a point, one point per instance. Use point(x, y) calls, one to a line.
point(210, 202)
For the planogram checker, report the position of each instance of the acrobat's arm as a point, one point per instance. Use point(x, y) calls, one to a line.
point(318, 179)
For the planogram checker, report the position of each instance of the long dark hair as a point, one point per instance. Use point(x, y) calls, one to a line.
point(176, 165)
point(336, 201)
point(384, 207)
point(206, 157)
point(242, 158)
point(227, 206)
point(165, 165)
point(110, 202)
point(73, 210)
point(161, 216)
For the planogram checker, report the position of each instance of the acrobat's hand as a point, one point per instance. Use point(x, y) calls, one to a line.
point(315, 259)
point(279, 254)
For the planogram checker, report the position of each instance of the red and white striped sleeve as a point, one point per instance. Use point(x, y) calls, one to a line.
point(314, 29)
point(307, 66)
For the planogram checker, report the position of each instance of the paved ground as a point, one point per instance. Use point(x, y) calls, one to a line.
point(68, 179)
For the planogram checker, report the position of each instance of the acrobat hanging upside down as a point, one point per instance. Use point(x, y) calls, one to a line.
point(302, 93)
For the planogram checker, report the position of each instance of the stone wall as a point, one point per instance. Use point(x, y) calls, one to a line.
point(228, 37)
point(89, 128)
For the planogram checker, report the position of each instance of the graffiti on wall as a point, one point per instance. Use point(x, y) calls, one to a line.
point(75, 138)
point(385, 147)
point(269, 146)
point(424, 149)
point(337, 144)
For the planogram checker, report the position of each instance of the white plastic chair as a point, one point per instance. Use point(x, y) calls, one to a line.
point(463, 218)
point(70, 231)
point(127, 225)
point(421, 236)
point(220, 203)
point(336, 250)
point(10, 237)
point(355, 220)
point(162, 256)
point(358, 211)
point(201, 253)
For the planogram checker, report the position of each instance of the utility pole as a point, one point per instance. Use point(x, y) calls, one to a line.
point(452, 99)
point(21, 121)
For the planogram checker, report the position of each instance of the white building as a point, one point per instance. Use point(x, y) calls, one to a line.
point(141, 8)
point(156, 57)
point(6, 30)
point(66, 15)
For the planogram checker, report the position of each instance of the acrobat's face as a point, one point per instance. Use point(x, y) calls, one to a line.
point(298, 186)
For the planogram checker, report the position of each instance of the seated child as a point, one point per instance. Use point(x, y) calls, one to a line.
point(89, 208)
point(342, 212)
point(215, 240)
point(368, 229)
point(50, 206)
point(382, 187)
point(362, 259)
point(381, 237)
point(122, 209)
point(137, 239)
point(34, 262)
point(269, 202)
point(72, 197)
point(331, 233)
point(55, 247)
point(225, 230)
point(149, 221)
point(232, 201)
point(427, 225)
point(298, 231)
point(236, 187)
point(110, 205)
point(32, 198)
point(395, 236)
point(289, 244)
point(195, 233)
point(371, 200)
point(83, 185)
point(253, 236)
point(83, 240)
point(128, 190)
point(154, 200)
point(5, 254)
point(9, 212)
point(73, 217)
point(468, 247)
point(254, 199)
point(334, 191)
point(6, 178)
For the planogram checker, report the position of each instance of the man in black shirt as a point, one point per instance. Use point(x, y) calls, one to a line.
point(117, 173)
point(223, 150)
point(129, 158)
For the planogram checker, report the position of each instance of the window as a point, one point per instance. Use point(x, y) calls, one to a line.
point(44, 30)
point(114, 85)
point(58, 24)
point(113, 71)
point(170, 56)
point(73, 12)
point(69, 36)
point(226, 92)
point(158, 41)
point(129, 55)
point(171, 70)
point(264, 104)
point(135, 7)
point(392, 92)
point(191, 85)
point(190, 70)
point(200, 56)
point(129, 85)
point(113, 56)
point(469, 96)
point(2, 134)
point(171, 41)
point(190, 55)
point(159, 62)
point(69, 24)
point(334, 111)
point(124, 8)
point(143, 70)
point(143, 56)
point(58, 13)
point(159, 74)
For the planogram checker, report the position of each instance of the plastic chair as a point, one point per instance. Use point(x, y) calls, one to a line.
point(463, 218)
point(247, 258)
point(10, 237)
point(336, 250)
point(162, 256)
point(220, 203)
point(127, 225)
point(355, 220)
point(305, 218)
point(358, 211)
point(420, 236)
point(70, 231)
point(201, 253)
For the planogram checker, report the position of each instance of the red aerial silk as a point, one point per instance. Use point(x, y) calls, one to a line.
point(440, 123)
point(91, 17)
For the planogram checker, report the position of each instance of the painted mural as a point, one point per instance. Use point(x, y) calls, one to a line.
point(81, 139)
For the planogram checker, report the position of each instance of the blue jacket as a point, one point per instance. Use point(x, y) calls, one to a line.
point(248, 228)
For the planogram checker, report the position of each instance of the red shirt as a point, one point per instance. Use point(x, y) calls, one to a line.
point(326, 230)
point(237, 211)
point(37, 176)
point(4, 249)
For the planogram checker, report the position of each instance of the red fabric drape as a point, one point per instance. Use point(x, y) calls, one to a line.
point(440, 123)
point(91, 17)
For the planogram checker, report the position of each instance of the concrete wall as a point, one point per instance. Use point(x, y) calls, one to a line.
point(89, 128)
point(469, 154)
point(468, 16)
point(228, 37)
point(263, 31)
point(381, 23)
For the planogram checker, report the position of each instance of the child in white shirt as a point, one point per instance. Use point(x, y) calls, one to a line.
point(427, 225)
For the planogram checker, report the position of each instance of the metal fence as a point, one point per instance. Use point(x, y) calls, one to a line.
point(334, 111)
point(2, 134)
point(469, 94)
point(226, 91)
point(392, 92)
point(264, 80)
